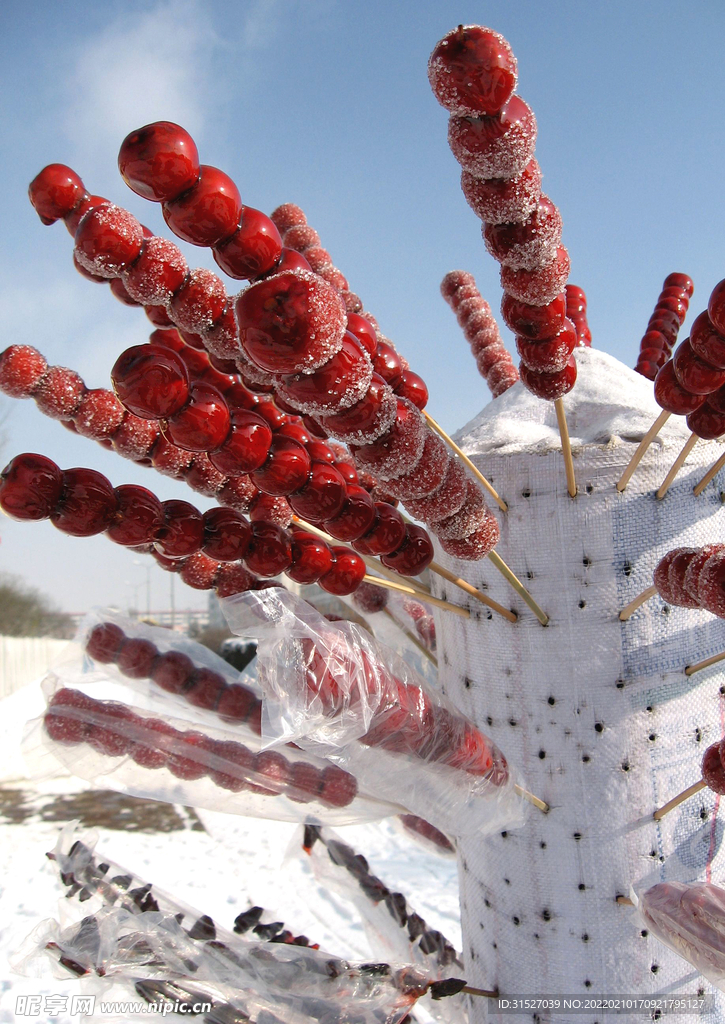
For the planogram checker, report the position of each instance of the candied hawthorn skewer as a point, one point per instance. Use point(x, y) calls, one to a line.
point(494, 142)
point(371, 599)
point(576, 312)
point(713, 777)
point(687, 578)
point(664, 324)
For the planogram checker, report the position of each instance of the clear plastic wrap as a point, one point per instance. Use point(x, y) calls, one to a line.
point(336, 691)
point(119, 927)
point(427, 835)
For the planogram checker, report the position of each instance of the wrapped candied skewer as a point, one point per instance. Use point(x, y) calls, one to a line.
point(664, 324)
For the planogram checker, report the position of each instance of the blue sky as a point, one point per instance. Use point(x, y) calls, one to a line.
point(326, 103)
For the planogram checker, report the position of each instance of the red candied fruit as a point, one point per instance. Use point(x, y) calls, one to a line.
point(501, 377)
point(159, 161)
point(710, 585)
point(454, 281)
point(237, 493)
point(706, 342)
point(104, 642)
point(413, 388)
point(205, 689)
point(170, 460)
point(136, 658)
point(73, 219)
point(541, 285)
point(199, 571)
point(678, 304)
point(138, 518)
point(87, 503)
point(22, 369)
point(270, 552)
point(386, 534)
point(370, 599)
point(158, 316)
point(291, 322)
point(209, 212)
point(318, 258)
point(322, 496)
point(528, 245)
point(157, 274)
point(713, 772)
point(427, 474)
point(151, 381)
point(550, 356)
point(671, 396)
point(201, 476)
point(661, 575)
point(503, 200)
point(339, 788)
point(387, 363)
point(366, 421)
point(231, 579)
point(172, 671)
point(667, 322)
point(287, 216)
point(55, 192)
point(288, 260)
point(182, 532)
point(446, 499)
point(186, 755)
point(135, 438)
point(227, 534)
point(311, 558)
point(99, 414)
point(301, 237)
point(65, 720)
point(356, 517)
point(691, 578)
point(108, 240)
point(678, 567)
point(118, 290)
point(346, 574)
point(476, 545)
point(706, 422)
point(30, 488)
point(246, 448)
point(399, 449)
point(254, 248)
point(415, 554)
point(550, 386)
point(693, 373)
point(59, 392)
point(495, 147)
point(305, 782)
point(341, 382)
point(467, 519)
point(200, 301)
point(203, 424)
point(286, 468)
point(472, 70)
point(681, 281)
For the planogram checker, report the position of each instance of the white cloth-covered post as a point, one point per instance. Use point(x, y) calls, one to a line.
point(597, 713)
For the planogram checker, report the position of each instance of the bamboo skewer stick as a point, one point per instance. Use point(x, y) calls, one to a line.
point(518, 587)
point(565, 447)
point(625, 900)
point(470, 589)
point(677, 800)
point(486, 993)
point(677, 465)
point(698, 666)
point(643, 446)
point(379, 581)
point(414, 640)
point(465, 459)
point(710, 475)
point(535, 800)
point(639, 600)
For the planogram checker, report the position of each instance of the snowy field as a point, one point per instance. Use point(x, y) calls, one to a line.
point(220, 864)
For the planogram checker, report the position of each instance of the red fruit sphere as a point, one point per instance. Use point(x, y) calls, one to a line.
point(55, 192)
point(209, 212)
point(707, 342)
point(159, 161)
point(30, 487)
point(415, 554)
point(246, 448)
point(693, 373)
point(550, 356)
point(136, 658)
point(681, 281)
point(311, 558)
point(356, 517)
point(472, 70)
point(203, 424)
point(157, 274)
point(707, 422)
point(182, 532)
point(713, 772)
point(550, 386)
point(363, 331)
point(172, 671)
point(108, 240)
point(535, 323)
point(151, 381)
point(87, 504)
point(495, 147)
point(323, 495)
point(254, 249)
point(270, 552)
point(138, 518)
point(671, 396)
point(340, 383)
point(347, 573)
point(412, 387)
point(104, 642)
point(200, 302)
point(503, 200)
point(227, 534)
point(22, 368)
point(286, 469)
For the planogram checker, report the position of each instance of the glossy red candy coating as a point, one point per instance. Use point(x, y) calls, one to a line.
point(388, 532)
point(666, 321)
point(340, 383)
point(55, 192)
point(270, 552)
point(30, 487)
point(322, 496)
point(681, 281)
point(387, 364)
point(118, 290)
point(72, 220)
point(108, 240)
point(288, 260)
point(654, 340)
point(707, 422)
point(297, 431)
point(136, 658)
point(158, 316)
point(495, 147)
point(87, 503)
point(208, 213)
point(671, 396)
point(356, 518)
point(550, 356)
point(227, 534)
point(286, 468)
point(203, 424)
point(138, 518)
point(679, 564)
point(550, 386)
point(413, 388)
point(657, 356)
point(270, 413)
point(716, 401)
point(414, 556)
point(363, 331)
point(200, 302)
point(22, 370)
point(676, 304)
point(534, 322)
point(503, 200)
point(372, 415)
point(157, 274)
point(527, 245)
point(713, 773)
point(693, 373)
point(472, 70)
point(347, 573)
point(159, 161)
point(311, 558)
point(182, 532)
point(290, 322)
point(320, 451)
point(151, 381)
point(254, 249)
point(647, 369)
point(716, 307)
point(707, 342)
point(247, 446)
point(104, 642)
point(172, 671)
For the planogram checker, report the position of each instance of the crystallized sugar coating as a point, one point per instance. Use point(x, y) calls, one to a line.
point(495, 147)
point(233, 578)
point(676, 578)
point(200, 571)
point(21, 371)
point(384, 420)
point(98, 415)
point(157, 273)
point(253, 374)
point(353, 302)
point(502, 376)
point(466, 519)
point(317, 257)
point(334, 277)
point(477, 544)
point(484, 338)
point(481, 322)
point(691, 579)
point(489, 357)
point(426, 475)
point(135, 437)
point(108, 240)
point(541, 286)
point(221, 340)
point(356, 375)
point(268, 509)
point(237, 493)
point(550, 386)
point(711, 584)
point(551, 355)
point(200, 302)
point(529, 245)
point(287, 216)
point(203, 477)
point(400, 449)
point(454, 280)
point(662, 576)
point(300, 237)
point(501, 200)
point(170, 460)
point(59, 393)
point(472, 70)
point(470, 307)
point(445, 500)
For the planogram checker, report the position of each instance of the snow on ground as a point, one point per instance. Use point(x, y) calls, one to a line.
point(220, 864)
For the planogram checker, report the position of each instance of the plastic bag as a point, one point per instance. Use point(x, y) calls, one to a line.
point(336, 691)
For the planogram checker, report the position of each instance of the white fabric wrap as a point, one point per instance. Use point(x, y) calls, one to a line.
point(596, 713)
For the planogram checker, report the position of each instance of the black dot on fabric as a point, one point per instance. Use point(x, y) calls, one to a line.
point(652, 737)
point(589, 488)
point(654, 968)
point(529, 575)
point(494, 945)
point(722, 689)
point(704, 815)
point(542, 845)
point(701, 992)
point(587, 983)
point(666, 609)
point(620, 684)
point(653, 853)
point(644, 933)
point(627, 568)
point(698, 735)
point(586, 758)
point(489, 720)
point(516, 920)
point(585, 937)
point(546, 914)
point(586, 561)
point(504, 834)
point(582, 887)
point(649, 708)
point(526, 494)
point(507, 881)
point(536, 935)
point(625, 766)
point(512, 721)
point(467, 683)
point(598, 727)
point(487, 903)
point(577, 836)
point(552, 701)
point(542, 755)
point(582, 604)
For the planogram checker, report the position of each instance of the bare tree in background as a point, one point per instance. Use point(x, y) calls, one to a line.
point(25, 612)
